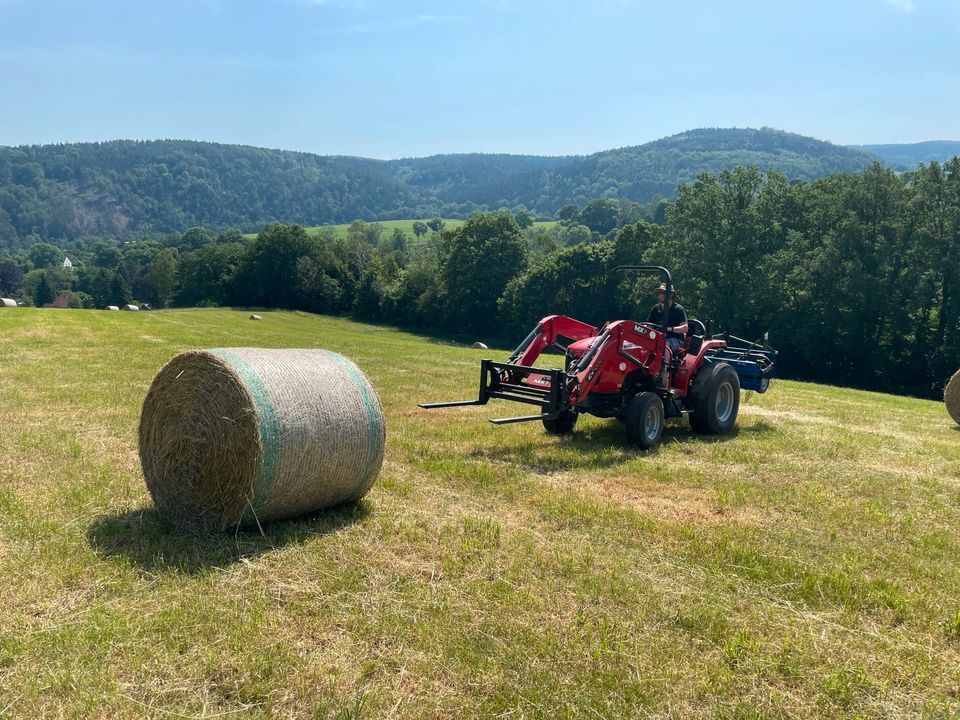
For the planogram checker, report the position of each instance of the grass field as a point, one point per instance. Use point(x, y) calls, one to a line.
point(808, 566)
point(406, 225)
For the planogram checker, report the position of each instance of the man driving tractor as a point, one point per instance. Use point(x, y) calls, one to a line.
point(677, 319)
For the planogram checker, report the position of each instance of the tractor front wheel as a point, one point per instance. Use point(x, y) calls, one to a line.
point(715, 400)
point(561, 424)
point(644, 420)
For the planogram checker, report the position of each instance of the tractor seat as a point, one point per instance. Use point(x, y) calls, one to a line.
point(695, 336)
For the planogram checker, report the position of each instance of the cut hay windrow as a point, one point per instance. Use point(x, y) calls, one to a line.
point(238, 436)
point(951, 396)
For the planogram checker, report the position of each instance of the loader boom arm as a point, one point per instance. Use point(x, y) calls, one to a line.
point(556, 331)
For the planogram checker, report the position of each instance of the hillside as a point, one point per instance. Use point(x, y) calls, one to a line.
point(906, 156)
point(130, 189)
point(637, 173)
point(807, 567)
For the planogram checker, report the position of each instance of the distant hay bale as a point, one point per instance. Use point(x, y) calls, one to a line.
point(131, 308)
point(951, 396)
point(255, 317)
point(479, 346)
point(8, 302)
point(237, 436)
point(111, 307)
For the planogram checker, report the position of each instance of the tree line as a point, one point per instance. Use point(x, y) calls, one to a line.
point(855, 276)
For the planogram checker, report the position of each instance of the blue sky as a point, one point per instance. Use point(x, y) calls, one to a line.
point(392, 78)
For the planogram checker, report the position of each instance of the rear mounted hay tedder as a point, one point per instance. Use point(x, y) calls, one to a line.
point(625, 370)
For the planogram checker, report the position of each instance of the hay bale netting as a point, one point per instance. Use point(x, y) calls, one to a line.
point(479, 346)
point(237, 436)
point(951, 397)
point(8, 302)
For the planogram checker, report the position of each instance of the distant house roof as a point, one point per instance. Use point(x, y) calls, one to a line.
point(62, 301)
point(66, 262)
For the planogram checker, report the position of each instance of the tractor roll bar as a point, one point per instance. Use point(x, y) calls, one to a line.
point(668, 295)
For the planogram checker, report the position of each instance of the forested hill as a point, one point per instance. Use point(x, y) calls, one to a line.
point(637, 173)
point(906, 156)
point(130, 189)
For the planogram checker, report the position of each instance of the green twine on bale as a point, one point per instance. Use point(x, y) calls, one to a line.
point(269, 431)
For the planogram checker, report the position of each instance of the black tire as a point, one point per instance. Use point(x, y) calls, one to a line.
point(561, 424)
point(644, 420)
point(715, 400)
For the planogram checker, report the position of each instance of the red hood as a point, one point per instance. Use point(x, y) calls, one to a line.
point(580, 346)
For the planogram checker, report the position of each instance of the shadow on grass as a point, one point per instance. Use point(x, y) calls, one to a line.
point(602, 447)
point(145, 539)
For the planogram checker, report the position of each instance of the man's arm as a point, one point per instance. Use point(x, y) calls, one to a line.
point(678, 313)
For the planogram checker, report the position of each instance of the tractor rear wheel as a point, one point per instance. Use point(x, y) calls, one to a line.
point(561, 424)
point(644, 420)
point(715, 399)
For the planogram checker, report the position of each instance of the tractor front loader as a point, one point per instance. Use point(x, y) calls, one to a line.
point(625, 370)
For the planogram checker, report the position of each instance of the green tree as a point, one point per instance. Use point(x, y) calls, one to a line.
point(96, 282)
point(367, 301)
point(267, 269)
point(80, 300)
point(45, 293)
point(601, 215)
point(573, 281)
point(106, 255)
point(572, 234)
point(398, 240)
point(523, 217)
point(317, 290)
point(44, 255)
point(484, 255)
point(419, 228)
point(206, 275)
point(195, 238)
point(436, 224)
point(11, 278)
point(120, 292)
point(162, 277)
point(568, 214)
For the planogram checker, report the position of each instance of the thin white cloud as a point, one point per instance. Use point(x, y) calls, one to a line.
point(417, 20)
point(348, 4)
point(412, 21)
point(907, 6)
point(79, 55)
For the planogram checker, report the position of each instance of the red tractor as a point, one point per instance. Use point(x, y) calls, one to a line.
point(625, 370)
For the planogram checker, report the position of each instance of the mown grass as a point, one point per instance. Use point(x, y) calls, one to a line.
point(406, 225)
point(808, 566)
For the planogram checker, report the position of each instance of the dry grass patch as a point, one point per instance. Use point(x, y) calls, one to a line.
point(806, 567)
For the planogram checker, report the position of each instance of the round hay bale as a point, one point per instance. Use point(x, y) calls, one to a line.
point(479, 346)
point(8, 302)
point(255, 317)
point(131, 308)
point(237, 436)
point(951, 396)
